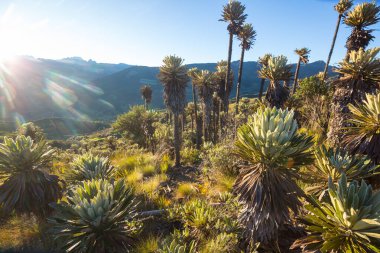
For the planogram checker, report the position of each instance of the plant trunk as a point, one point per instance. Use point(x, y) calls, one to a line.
point(261, 88)
point(345, 93)
point(239, 80)
point(177, 140)
point(228, 74)
point(276, 94)
point(206, 119)
point(296, 76)
point(145, 105)
point(332, 48)
point(192, 122)
point(183, 121)
point(198, 138)
point(216, 122)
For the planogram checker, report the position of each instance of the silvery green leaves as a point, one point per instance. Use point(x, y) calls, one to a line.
point(98, 216)
point(348, 222)
point(363, 135)
point(88, 166)
point(270, 137)
point(23, 165)
point(332, 163)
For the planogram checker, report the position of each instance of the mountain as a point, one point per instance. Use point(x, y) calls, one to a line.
point(35, 89)
point(122, 89)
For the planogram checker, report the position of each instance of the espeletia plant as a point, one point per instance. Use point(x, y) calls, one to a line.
point(98, 216)
point(274, 151)
point(348, 222)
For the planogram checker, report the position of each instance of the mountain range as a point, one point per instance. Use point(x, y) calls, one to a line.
point(34, 89)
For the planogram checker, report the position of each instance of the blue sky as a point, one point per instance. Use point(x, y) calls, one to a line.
point(142, 32)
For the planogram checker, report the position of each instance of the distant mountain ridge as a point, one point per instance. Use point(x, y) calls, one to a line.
point(34, 89)
point(122, 89)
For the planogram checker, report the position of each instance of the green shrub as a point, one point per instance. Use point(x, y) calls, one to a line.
point(178, 242)
point(138, 125)
point(148, 245)
point(312, 103)
point(163, 137)
point(165, 163)
point(129, 162)
point(31, 130)
point(203, 221)
point(222, 243)
point(150, 187)
point(190, 156)
point(218, 158)
point(311, 87)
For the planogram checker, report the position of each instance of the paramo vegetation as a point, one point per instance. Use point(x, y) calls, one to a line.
point(294, 170)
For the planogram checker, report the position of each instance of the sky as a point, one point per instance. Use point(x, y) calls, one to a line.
point(142, 32)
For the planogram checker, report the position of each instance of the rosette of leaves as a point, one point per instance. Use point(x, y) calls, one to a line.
point(27, 186)
point(363, 135)
point(332, 163)
point(98, 216)
point(349, 222)
point(89, 166)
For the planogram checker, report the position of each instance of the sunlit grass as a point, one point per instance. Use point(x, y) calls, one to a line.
point(134, 177)
point(128, 162)
point(148, 245)
point(165, 163)
point(221, 184)
point(18, 231)
point(162, 202)
point(186, 190)
point(150, 187)
point(148, 170)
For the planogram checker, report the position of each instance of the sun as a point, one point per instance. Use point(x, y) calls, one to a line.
point(18, 35)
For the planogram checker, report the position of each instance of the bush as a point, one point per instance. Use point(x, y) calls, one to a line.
point(178, 242)
point(130, 161)
point(218, 158)
point(138, 125)
point(148, 245)
point(31, 130)
point(204, 222)
point(165, 163)
point(311, 87)
point(312, 103)
point(222, 243)
point(190, 156)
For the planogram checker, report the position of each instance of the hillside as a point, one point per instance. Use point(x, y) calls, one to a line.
point(35, 89)
point(122, 89)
